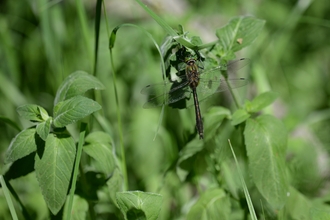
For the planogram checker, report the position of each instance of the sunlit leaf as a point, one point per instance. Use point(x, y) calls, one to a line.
point(239, 33)
point(74, 109)
point(187, 153)
point(239, 116)
point(53, 168)
point(79, 208)
point(22, 145)
point(298, 205)
point(139, 205)
point(115, 184)
point(32, 112)
point(261, 101)
point(213, 204)
point(213, 120)
point(76, 84)
point(98, 137)
point(43, 128)
point(103, 156)
point(266, 142)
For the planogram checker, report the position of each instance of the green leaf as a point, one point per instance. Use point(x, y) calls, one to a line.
point(74, 109)
point(297, 205)
point(196, 40)
point(102, 154)
point(79, 208)
point(43, 113)
point(32, 112)
point(213, 120)
point(53, 168)
point(98, 137)
point(22, 145)
point(76, 84)
point(115, 184)
point(213, 204)
point(239, 33)
point(187, 153)
point(266, 142)
point(139, 205)
point(239, 116)
point(319, 214)
point(43, 128)
point(304, 165)
point(261, 101)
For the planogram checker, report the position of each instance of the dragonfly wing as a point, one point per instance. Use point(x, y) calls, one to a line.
point(165, 94)
point(213, 81)
point(235, 65)
point(160, 88)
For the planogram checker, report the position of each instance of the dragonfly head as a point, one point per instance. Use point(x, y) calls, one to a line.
point(190, 62)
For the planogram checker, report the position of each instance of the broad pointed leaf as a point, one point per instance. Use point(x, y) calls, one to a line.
point(74, 109)
point(265, 139)
point(76, 84)
point(53, 168)
point(239, 33)
point(298, 206)
point(32, 112)
point(22, 145)
point(98, 137)
point(43, 128)
point(261, 101)
point(103, 156)
point(213, 204)
point(115, 184)
point(186, 156)
point(139, 205)
point(213, 120)
point(239, 116)
point(79, 208)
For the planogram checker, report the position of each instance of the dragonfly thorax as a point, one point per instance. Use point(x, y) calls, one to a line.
point(192, 73)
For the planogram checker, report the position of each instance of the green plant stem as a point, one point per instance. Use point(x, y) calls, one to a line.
point(120, 129)
point(83, 22)
point(8, 198)
point(245, 189)
point(122, 150)
point(22, 207)
point(233, 94)
point(76, 169)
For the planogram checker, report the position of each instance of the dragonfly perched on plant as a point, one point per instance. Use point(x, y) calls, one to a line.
point(195, 85)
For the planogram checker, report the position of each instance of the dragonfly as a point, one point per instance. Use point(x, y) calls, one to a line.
point(194, 86)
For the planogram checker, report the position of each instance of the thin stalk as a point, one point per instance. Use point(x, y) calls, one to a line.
point(233, 94)
point(84, 27)
point(245, 189)
point(22, 207)
point(76, 169)
point(121, 139)
point(120, 129)
point(8, 198)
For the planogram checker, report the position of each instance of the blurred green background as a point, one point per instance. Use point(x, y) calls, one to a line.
point(42, 42)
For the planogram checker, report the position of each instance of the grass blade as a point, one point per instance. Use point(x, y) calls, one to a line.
point(245, 189)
